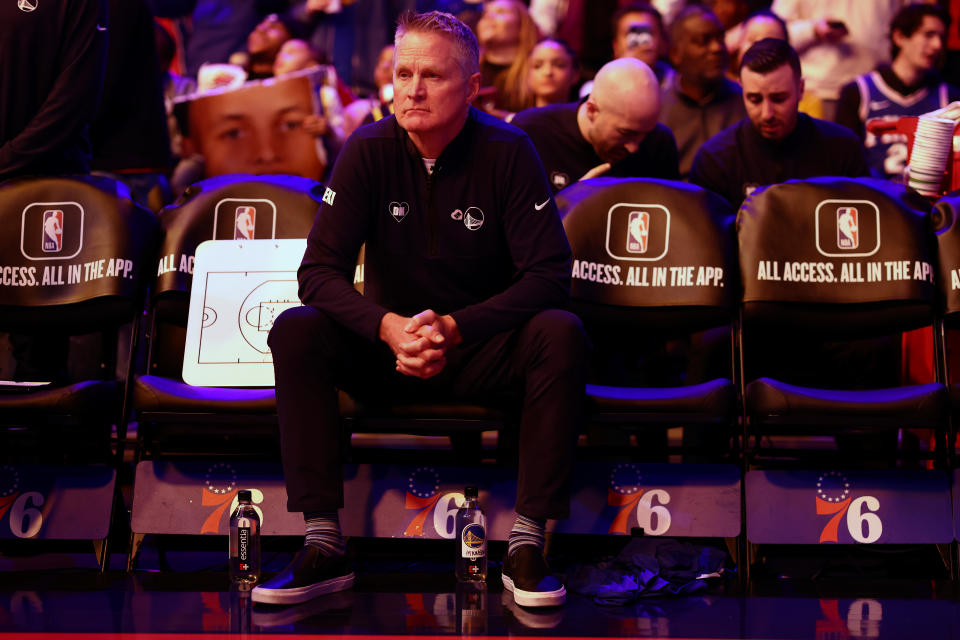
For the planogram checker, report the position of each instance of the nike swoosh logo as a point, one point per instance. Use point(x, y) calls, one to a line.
point(540, 206)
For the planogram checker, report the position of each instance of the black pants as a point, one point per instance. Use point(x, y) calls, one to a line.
point(542, 364)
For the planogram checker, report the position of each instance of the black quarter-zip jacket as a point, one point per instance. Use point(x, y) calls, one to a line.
point(480, 238)
point(52, 59)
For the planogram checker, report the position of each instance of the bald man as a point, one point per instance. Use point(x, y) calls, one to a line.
point(613, 132)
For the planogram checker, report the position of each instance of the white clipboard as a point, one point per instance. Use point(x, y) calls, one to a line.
point(239, 288)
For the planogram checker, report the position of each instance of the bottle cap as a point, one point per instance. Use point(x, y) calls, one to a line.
point(470, 492)
point(244, 495)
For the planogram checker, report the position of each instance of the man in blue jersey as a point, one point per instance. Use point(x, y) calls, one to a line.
point(909, 86)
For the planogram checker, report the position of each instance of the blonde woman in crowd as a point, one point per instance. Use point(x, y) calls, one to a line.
point(507, 35)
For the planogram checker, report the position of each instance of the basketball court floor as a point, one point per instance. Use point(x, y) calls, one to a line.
point(406, 589)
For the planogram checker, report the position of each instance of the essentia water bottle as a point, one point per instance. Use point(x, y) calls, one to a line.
point(244, 540)
point(471, 539)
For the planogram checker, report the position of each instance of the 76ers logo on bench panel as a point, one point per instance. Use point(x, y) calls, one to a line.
point(220, 494)
point(639, 232)
point(245, 219)
point(834, 499)
point(847, 228)
point(626, 492)
point(423, 495)
point(51, 230)
point(26, 518)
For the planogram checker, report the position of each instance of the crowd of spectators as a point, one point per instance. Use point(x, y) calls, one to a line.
point(728, 94)
point(863, 63)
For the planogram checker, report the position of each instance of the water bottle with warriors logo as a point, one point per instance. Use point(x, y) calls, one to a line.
point(244, 540)
point(471, 539)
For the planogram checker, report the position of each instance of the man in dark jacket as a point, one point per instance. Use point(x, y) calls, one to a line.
point(775, 142)
point(52, 58)
point(466, 271)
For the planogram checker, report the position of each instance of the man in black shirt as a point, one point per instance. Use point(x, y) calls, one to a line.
point(466, 271)
point(775, 142)
point(614, 132)
point(52, 59)
point(131, 108)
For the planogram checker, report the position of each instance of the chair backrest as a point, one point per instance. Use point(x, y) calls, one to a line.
point(649, 254)
point(945, 220)
point(231, 207)
point(76, 256)
point(846, 257)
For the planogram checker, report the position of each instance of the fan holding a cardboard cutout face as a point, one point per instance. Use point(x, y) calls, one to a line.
point(256, 128)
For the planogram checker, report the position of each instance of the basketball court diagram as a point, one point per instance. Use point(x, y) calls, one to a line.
point(239, 289)
point(238, 331)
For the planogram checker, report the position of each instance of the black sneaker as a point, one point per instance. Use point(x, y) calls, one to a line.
point(526, 574)
point(309, 574)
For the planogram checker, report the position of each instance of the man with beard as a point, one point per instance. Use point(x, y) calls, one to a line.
point(613, 132)
point(700, 101)
point(775, 142)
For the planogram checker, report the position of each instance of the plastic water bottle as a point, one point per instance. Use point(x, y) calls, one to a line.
point(244, 540)
point(471, 539)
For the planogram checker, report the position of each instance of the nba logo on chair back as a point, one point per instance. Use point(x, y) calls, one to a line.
point(51, 230)
point(244, 219)
point(638, 232)
point(52, 241)
point(847, 228)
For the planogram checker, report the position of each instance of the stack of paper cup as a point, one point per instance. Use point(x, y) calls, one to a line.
point(931, 150)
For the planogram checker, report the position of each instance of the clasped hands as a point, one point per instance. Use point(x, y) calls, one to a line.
point(420, 343)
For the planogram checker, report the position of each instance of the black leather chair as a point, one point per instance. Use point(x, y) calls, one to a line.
point(944, 218)
point(654, 260)
point(176, 418)
point(172, 415)
point(76, 258)
point(833, 270)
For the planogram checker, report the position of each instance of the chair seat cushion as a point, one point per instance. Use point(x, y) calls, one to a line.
point(773, 401)
point(88, 398)
point(712, 401)
point(153, 393)
point(443, 415)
